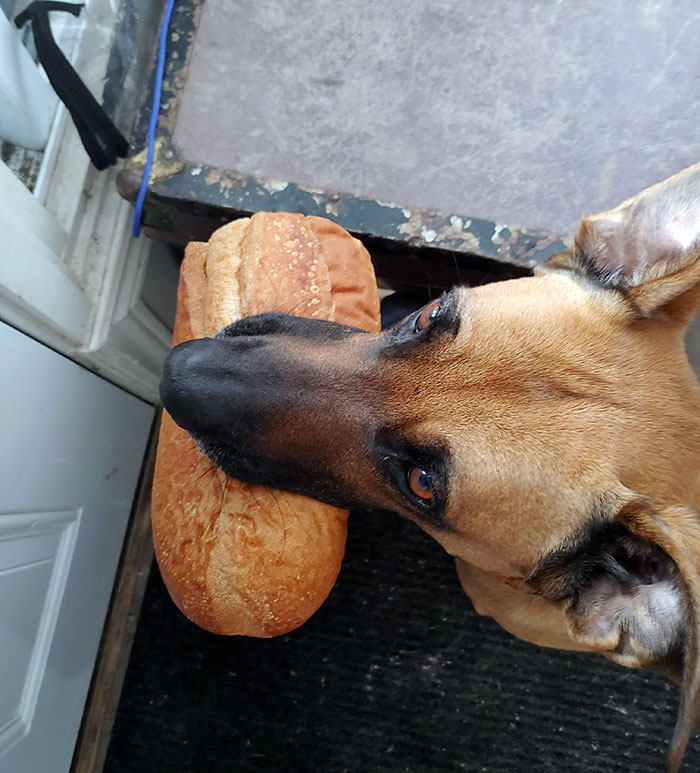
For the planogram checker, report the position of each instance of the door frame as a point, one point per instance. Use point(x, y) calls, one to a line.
point(71, 274)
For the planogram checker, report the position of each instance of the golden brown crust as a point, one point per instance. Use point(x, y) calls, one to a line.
point(221, 267)
point(349, 265)
point(237, 558)
point(285, 269)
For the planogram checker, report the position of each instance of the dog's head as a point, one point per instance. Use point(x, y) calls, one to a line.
point(544, 430)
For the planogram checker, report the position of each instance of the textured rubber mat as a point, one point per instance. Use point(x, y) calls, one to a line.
point(395, 673)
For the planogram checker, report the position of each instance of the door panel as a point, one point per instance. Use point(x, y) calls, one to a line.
point(36, 550)
point(71, 447)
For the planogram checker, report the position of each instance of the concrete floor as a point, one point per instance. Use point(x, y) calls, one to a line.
point(525, 113)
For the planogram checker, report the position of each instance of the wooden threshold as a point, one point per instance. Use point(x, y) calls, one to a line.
point(120, 626)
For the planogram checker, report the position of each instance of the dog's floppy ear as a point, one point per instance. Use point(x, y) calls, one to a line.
point(631, 588)
point(676, 530)
point(648, 247)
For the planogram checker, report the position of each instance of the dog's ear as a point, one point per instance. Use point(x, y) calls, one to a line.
point(631, 588)
point(647, 247)
point(676, 530)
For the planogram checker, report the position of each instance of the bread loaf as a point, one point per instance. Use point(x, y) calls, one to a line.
point(238, 558)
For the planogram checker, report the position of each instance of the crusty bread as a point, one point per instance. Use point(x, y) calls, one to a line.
point(237, 558)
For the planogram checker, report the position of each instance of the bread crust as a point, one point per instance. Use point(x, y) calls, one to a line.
point(237, 558)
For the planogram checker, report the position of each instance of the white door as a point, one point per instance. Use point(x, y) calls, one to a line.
point(71, 444)
point(71, 447)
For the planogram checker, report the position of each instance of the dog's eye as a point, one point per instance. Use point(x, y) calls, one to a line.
point(426, 316)
point(420, 482)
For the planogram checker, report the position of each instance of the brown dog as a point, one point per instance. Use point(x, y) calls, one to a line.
point(545, 431)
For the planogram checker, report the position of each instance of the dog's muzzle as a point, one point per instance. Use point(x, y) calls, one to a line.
point(250, 370)
point(268, 398)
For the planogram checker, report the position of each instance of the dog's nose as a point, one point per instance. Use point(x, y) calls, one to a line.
point(196, 383)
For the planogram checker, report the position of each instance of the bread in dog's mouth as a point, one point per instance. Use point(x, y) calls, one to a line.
point(240, 558)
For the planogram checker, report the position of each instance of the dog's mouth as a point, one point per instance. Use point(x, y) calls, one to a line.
point(291, 476)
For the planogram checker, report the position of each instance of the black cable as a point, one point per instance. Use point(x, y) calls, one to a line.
point(102, 140)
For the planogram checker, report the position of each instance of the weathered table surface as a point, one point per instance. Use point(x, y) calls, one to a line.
point(455, 138)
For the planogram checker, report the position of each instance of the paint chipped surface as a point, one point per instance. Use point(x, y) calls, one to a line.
point(276, 186)
point(188, 200)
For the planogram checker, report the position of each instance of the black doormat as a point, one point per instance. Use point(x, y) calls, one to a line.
point(396, 672)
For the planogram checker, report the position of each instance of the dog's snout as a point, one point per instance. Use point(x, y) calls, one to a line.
point(227, 385)
point(198, 383)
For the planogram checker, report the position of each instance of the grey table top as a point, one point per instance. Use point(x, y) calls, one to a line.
point(522, 113)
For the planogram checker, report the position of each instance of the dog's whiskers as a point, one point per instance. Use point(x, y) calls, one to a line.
point(273, 494)
point(201, 458)
point(208, 471)
point(224, 492)
point(284, 522)
point(297, 305)
point(457, 268)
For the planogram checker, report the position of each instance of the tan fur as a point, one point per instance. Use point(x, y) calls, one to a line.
point(586, 398)
point(564, 397)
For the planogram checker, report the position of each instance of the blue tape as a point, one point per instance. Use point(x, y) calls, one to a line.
point(153, 121)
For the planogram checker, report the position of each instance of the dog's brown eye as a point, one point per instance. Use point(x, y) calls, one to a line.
point(421, 483)
point(427, 315)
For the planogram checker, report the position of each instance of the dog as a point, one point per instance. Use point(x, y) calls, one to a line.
point(544, 430)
